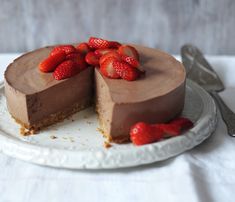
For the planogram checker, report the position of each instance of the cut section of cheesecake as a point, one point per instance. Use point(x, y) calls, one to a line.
point(157, 97)
point(36, 99)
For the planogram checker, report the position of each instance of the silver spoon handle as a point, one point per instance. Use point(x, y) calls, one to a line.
point(227, 115)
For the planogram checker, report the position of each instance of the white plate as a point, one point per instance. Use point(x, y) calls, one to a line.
point(79, 145)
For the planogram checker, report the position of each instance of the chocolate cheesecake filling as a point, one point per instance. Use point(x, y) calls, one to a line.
point(36, 99)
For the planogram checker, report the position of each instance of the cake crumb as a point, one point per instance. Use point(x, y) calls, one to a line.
point(53, 137)
point(26, 132)
point(107, 145)
point(85, 117)
point(100, 130)
point(89, 122)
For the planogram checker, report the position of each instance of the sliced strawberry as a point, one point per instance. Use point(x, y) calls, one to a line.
point(50, 63)
point(112, 54)
point(129, 51)
point(114, 44)
point(66, 48)
point(92, 59)
point(65, 70)
point(101, 52)
point(182, 122)
point(142, 133)
point(79, 59)
point(83, 48)
point(108, 70)
point(169, 129)
point(98, 43)
point(130, 60)
point(125, 71)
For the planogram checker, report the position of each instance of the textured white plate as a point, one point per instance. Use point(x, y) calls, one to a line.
point(79, 145)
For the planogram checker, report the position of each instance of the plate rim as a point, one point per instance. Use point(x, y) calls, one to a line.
point(103, 159)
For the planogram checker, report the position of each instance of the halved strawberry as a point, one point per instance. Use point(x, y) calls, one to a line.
point(131, 61)
point(114, 44)
point(65, 70)
point(108, 70)
point(50, 63)
point(101, 52)
point(182, 122)
point(125, 71)
point(92, 59)
point(98, 43)
point(78, 59)
point(112, 54)
point(129, 51)
point(66, 48)
point(169, 129)
point(142, 133)
point(83, 48)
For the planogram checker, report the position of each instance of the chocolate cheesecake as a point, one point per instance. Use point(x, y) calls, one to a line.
point(37, 100)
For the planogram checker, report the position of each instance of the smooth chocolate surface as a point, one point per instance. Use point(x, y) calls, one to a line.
point(156, 97)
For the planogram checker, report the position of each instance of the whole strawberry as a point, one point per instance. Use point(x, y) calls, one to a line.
point(65, 70)
point(142, 133)
point(125, 71)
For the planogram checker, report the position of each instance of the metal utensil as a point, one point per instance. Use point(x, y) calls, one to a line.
point(200, 71)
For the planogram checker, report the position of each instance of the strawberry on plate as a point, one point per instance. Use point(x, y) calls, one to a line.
point(92, 59)
point(50, 63)
point(83, 48)
point(125, 71)
point(108, 70)
point(128, 51)
point(142, 133)
point(66, 48)
point(65, 70)
point(182, 122)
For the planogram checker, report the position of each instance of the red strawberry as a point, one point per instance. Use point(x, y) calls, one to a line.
point(129, 51)
point(108, 70)
point(101, 52)
point(98, 43)
point(182, 122)
point(83, 48)
point(65, 70)
point(169, 129)
point(142, 133)
point(125, 71)
point(66, 48)
point(79, 59)
point(50, 63)
point(92, 59)
point(115, 44)
point(112, 54)
point(130, 60)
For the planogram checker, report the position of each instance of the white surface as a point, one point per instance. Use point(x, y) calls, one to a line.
point(78, 144)
point(205, 173)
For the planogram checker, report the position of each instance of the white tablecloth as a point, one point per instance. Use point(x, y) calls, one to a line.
point(206, 173)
